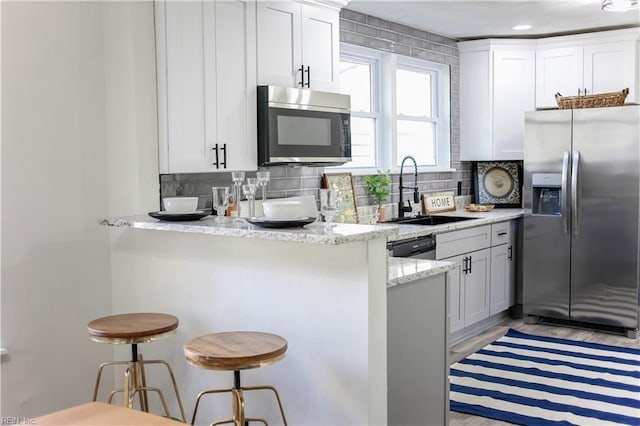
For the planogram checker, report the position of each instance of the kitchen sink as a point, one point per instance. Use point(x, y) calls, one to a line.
point(429, 220)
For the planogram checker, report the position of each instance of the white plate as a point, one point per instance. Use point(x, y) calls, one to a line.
point(266, 219)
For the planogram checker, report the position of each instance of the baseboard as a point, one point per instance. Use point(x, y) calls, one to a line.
point(479, 327)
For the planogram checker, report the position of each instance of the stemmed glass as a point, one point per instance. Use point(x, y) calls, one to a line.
point(220, 201)
point(263, 181)
point(330, 203)
point(238, 179)
point(249, 190)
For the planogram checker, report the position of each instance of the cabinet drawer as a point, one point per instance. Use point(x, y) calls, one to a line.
point(500, 233)
point(458, 242)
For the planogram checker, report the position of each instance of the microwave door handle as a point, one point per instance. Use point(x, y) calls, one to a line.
point(575, 193)
point(565, 193)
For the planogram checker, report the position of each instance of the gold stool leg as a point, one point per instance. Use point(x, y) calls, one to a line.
point(238, 407)
point(203, 393)
point(141, 384)
point(102, 366)
point(173, 381)
point(272, 389)
point(143, 391)
point(127, 388)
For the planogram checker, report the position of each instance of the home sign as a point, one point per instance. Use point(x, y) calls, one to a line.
point(436, 202)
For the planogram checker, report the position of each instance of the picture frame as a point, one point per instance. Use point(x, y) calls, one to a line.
point(498, 183)
point(343, 182)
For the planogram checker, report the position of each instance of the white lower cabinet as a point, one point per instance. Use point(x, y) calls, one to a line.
point(470, 280)
point(483, 281)
point(503, 266)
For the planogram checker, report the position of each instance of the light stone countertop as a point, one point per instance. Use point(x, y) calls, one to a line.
point(310, 234)
point(481, 218)
point(406, 270)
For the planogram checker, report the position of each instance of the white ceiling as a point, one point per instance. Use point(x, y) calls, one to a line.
point(481, 19)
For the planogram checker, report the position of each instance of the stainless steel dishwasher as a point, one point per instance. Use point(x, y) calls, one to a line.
point(418, 248)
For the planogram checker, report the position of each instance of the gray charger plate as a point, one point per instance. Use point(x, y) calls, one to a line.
point(179, 217)
point(293, 223)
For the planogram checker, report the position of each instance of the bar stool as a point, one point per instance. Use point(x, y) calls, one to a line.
point(132, 329)
point(235, 351)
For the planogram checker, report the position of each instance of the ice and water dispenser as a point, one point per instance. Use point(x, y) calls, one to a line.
point(547, 194)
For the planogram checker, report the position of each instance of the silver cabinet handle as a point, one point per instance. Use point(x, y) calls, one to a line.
point(565, 193)
point(575, 192)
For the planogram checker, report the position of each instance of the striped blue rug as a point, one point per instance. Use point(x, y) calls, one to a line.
point(533, 380)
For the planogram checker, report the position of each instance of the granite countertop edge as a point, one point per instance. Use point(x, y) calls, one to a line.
point(407, 270)
point(310, 234)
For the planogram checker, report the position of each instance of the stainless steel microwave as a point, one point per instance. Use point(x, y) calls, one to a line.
point(303, 127)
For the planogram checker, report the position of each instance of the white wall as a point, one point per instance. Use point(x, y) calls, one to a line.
point(78, 138)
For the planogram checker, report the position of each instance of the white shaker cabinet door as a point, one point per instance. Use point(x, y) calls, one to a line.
point(477, 287)
point(456, 294)
point(611, 67)
point(513, 94)
point(183, 126)
point(500, 278)
point(558, 70)
point(279, 49)
point(236, 83)
point(320, 47)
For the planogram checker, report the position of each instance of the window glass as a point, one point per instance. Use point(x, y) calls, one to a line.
point(413, 93)
point(363, 136)
point(416, 138)
point(355, 80)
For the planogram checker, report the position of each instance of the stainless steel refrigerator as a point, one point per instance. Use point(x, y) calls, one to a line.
point(581, 191)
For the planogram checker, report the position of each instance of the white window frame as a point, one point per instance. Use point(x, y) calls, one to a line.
point(383, 92)
point(373, 58)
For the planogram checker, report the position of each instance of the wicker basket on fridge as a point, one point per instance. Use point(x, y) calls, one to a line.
point(598, 100)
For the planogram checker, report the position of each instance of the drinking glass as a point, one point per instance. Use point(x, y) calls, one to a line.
point(330, 203)
point(220, 201)
point(238, 179)
point(249, 191)
point(263, 181)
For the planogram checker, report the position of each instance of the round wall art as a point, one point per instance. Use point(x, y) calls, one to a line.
point(499, 183)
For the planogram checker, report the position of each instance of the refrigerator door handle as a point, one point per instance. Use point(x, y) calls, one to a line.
point(565, 192)
point(574, 192)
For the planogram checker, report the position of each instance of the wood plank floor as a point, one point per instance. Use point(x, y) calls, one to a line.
point(470, 346)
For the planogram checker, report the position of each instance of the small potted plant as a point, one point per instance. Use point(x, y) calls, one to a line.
point(379, 186)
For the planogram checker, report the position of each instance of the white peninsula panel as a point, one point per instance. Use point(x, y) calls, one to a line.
point(327, 300)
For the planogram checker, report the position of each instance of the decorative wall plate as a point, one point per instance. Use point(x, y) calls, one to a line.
point(499, 183)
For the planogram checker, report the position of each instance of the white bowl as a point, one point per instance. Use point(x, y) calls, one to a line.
point(282, 210)
point(180, 204)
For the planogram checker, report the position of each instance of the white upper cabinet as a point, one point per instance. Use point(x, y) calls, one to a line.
point(206, 85)
point(497, 85)
point(298, 45)
point(596, 63)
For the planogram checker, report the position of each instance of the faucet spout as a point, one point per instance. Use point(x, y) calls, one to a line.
point(402, 209)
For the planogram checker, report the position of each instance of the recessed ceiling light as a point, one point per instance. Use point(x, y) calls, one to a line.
point(620, 5)
point(522, 27)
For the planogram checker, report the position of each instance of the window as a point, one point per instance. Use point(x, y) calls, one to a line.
point(399, 107)
point(358, 76)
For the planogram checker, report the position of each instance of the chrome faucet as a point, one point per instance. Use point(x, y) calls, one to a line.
point(402, 209)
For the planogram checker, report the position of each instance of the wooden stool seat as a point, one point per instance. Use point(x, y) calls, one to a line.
point(236, 350)
point(132, 328)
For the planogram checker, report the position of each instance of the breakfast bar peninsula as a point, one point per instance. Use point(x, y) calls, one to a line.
point(324, 291)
